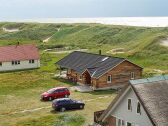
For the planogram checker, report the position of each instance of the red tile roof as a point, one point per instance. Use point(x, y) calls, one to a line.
point(18, 52)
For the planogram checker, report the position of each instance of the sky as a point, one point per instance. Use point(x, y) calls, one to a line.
point(42, 9)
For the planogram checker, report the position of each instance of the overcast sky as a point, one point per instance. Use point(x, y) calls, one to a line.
point(35, 9)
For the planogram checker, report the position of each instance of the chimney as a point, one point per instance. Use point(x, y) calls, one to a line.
point(99, 52)
point(17, 44)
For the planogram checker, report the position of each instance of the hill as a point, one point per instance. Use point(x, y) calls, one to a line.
point(139, 44)
point(20, 90)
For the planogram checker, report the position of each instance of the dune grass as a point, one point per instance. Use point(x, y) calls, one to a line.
point(21, 90)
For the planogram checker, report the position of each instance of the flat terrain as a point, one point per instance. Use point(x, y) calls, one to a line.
point(20, 91)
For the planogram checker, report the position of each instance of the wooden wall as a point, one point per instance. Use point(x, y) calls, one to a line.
point(120, 75)
point(111, 121)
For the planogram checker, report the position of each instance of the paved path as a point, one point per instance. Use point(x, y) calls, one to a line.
point(82, 88)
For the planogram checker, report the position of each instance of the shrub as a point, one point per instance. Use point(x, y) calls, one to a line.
point(70, 120)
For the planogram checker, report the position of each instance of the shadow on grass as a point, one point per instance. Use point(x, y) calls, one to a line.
point(72, 110)
point(104, 92)
point(68, 82)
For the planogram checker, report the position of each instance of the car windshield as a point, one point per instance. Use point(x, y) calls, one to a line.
point(50, 91)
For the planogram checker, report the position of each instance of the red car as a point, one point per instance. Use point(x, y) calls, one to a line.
point(54, 93)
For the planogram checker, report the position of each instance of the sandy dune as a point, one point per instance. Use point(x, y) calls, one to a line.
point(10, 30)
point(164, 42)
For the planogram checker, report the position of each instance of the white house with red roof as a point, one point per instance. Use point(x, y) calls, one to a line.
point(18, 57)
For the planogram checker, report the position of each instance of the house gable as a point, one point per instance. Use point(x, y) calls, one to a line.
point(121, 74)
point(120, 110)
point(126, 65)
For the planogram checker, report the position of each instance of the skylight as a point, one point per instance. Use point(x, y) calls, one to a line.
point(105, 58)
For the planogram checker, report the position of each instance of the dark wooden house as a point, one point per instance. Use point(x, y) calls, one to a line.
point(99, 71)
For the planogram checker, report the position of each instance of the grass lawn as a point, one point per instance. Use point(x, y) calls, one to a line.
point(21, 91)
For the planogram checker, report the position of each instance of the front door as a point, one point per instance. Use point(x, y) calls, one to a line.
point(87, 78)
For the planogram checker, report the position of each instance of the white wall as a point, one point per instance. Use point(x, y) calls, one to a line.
point(7, 66)
point(123, 113)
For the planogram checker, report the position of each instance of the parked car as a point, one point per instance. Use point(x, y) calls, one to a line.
point(67, 104)
point(54, 93)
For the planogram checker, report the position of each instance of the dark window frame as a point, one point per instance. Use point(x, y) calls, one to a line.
point(129, 104)
point(138, 110)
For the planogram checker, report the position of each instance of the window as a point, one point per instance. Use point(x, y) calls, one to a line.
point(0, 63)
point(31, 61)
point(129, 124)
point(15, 62)
point(132, 75)
point(121, 122)
point(129, 105)
point(109, 79)
point(138, 108)
point(80, 77)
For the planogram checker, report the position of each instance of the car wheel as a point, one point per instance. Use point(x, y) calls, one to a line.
point(81, 106)
point(66, 96)
point(62, 109)
point(50, 98)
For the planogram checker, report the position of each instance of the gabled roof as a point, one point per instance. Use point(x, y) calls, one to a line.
point(18, 52)
point(153, 95)
point(96, 64)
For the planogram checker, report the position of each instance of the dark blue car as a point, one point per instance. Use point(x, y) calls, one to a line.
point(67, 104)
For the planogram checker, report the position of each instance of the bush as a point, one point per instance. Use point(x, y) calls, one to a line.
point(70, 120)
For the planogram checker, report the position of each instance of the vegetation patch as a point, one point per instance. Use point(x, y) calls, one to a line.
point(70, 120)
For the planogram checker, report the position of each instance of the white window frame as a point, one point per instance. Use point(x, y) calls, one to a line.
point(128, 122)
point(117, 122)
point(16, 62)
point(110, 79)
point(137, 108)
point(32, 61)
point(132, 75)
point(80, 77)
point(131, 104)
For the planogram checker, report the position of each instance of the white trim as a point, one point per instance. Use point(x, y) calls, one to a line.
point(131, 104)
point(80, 77)
point(128, 122)
point(109, 82)
point(132, 75)
point(116, 66)
point(110, 69)
point(116, 103)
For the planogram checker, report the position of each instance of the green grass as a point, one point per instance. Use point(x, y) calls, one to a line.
point(21, 90)
point(142, 45)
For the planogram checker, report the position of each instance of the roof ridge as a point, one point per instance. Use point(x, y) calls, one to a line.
point(100, 55)
point(17, 45)
point(149, 80)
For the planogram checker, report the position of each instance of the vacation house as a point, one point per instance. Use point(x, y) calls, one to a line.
point(143, 102)
point(18, 57)
point(99, 71)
